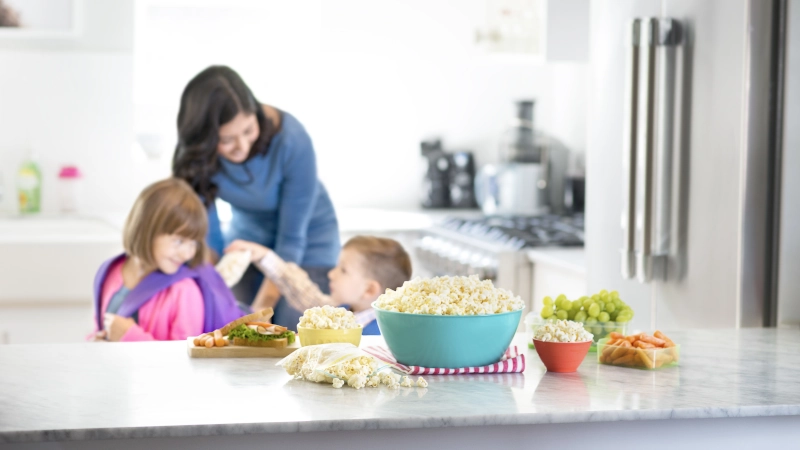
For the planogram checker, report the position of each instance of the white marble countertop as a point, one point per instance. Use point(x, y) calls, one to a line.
point(105, 391)
point(572, 259)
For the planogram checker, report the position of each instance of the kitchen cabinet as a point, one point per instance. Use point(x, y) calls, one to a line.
point(546, 30)
point(46, 271)
point(152, 395)
point(557, 271)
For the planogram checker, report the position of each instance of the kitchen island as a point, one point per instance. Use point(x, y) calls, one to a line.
point(733, 389)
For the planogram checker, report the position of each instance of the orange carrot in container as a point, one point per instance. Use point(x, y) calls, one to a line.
point(663, 337)
point(644, 358)
point(643, 344)
point(614, 335)
point(623, 361)
point(653, 340)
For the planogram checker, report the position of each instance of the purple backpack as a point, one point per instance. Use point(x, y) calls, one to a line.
point(220, 305)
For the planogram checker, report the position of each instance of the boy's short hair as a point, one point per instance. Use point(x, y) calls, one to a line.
point(165, 207)
point(386, 260)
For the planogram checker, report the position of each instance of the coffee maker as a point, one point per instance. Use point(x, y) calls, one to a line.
point(529, 180)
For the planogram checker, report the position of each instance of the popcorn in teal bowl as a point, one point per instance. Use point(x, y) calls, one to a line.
point(448, 322)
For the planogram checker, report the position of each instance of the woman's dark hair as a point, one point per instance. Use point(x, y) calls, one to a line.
point(211, 99)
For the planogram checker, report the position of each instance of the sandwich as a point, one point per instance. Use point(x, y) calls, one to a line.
point(252, 330)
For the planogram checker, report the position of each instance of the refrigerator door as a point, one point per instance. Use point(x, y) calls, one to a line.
point(715, 266)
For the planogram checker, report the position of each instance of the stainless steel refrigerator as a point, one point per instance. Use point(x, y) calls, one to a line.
point(693, 160)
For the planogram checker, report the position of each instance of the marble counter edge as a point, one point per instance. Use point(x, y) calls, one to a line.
point(8, 437)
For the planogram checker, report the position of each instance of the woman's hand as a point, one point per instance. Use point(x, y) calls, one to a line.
point(116, 326)
point(257, 251)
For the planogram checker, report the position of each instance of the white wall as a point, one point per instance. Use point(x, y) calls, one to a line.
point(368, 79)
point(72, 99)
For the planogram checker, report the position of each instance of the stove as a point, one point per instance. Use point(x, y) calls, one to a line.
point(494, 247)
point(522, 232)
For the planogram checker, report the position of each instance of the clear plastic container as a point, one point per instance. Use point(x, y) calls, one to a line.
point(638, 358)
point(599, 330)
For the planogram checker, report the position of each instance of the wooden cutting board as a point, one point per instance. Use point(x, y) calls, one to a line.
point(239, 351)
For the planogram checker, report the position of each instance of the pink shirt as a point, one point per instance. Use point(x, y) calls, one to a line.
point(174, 313)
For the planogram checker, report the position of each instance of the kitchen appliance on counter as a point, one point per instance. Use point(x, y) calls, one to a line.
point(530, 178)
point(448, 178)
point(494, 247)
point(701, 101)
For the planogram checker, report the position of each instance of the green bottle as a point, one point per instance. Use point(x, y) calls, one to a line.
point(29, 186)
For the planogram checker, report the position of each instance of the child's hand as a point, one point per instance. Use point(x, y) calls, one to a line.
point(100, 336)
point(257, 251)
point(116, 326)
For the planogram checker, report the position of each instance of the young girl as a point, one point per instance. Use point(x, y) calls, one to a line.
point(149, 293)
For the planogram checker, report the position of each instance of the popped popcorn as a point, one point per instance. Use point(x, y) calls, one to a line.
point(422, 383)
point(328, 317)
point(450, 296)
point(406, 382)
point(357, 381)
point(374, 381)
point(232, 266)
point(562, 331)
point(328, 362)
point(337, 383)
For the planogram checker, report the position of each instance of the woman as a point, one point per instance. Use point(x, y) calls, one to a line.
point(261, 161)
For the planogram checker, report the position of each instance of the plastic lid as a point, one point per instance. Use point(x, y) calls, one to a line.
point(69, 172)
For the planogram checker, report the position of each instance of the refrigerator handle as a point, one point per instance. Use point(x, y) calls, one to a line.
point(654, 142)
point(668, 36)
point(644, 151)
point(630, 118)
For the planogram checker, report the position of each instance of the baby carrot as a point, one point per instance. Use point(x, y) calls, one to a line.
point(643, 344)
point(644, 358)
point(625, 360)
point(653, 340)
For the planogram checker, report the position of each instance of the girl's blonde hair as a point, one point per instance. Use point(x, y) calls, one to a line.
point(165, 207)
point(386, 261)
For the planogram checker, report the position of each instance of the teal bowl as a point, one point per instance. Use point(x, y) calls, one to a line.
point(447, 341)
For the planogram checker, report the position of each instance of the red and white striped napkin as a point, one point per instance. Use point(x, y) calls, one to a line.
point(511, 362)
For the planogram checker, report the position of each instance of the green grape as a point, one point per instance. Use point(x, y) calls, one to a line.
point(622, 317)
point(602, 305)
point(594, 310)
point(576, 305)
point(603, 317)
point(571, 314)
point(547, 311)
point(565, 304)
point(590, 321)
point(610, 307)
point(580, 316)
point(548, 301)
point(562, 315)
point(603, 292)
point(587, 302)
point(618, 303)
point(614, 316)
point(614, 295)
point(595, 298)
point(561, 298)
point(597, 330)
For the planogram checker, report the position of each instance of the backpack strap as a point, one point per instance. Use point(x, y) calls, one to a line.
point(99, 279)
point(151, 285)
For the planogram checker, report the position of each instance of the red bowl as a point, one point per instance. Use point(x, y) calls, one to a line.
point(562, 356)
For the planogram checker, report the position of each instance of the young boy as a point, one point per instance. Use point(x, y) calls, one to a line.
point(367, 266)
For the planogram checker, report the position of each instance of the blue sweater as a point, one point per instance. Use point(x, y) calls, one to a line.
point(278, 201)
